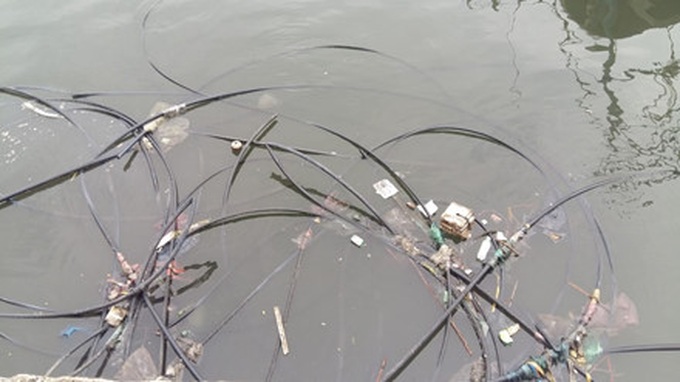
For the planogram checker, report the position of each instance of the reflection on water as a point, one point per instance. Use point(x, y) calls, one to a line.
point(622, 56)
point(632, 94)
point(621, 19)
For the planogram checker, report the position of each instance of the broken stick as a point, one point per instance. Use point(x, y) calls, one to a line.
point(282, 332)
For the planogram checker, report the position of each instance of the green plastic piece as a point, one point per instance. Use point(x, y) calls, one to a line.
point(436, 235)
point(592, 349)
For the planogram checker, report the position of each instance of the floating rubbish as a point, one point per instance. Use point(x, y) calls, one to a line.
point(457, 221)
point(282, 334)
point(616, 316)
point(303, 239)
point(116, 288)
point(116, 315)
point(505, 335)
point(194, 352)
point(471, 372)
point(175, 370)
point(436, 234)
point(128, 270)
point(114, 291)
point(592, 349)
point(611, 318)
point(169, 131)
point(192, 349)
point(167, 238)
point(385, 188)
point(484, 249)
point(163, 243)
point(138, 366)
point(429, 209)
point(71, 330)
point(357, 240)
point(443, 256)
point(554, 236)
point(236, 146)
point(408, 245)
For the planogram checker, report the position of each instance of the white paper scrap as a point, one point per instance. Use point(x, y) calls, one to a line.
point(429, 210)
point(385, 188)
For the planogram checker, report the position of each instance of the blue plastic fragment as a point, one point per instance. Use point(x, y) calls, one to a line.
point(70, 330)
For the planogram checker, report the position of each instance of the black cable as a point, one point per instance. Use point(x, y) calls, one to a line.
point(173, 343)
point(244, 153)
point(650, 348)
point(101, 331)
point(369, 153)
point(461, 131)
point(501, 255)
point(338, 179)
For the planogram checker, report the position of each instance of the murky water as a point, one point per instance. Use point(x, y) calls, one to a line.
point(583, 89)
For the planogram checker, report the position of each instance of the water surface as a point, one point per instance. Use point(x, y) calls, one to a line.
point(585, 89)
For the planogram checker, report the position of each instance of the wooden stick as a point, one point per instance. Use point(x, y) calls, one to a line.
point(282, 333)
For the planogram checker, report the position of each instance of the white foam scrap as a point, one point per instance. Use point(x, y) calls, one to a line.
point(505, 335)
point(357, 240)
